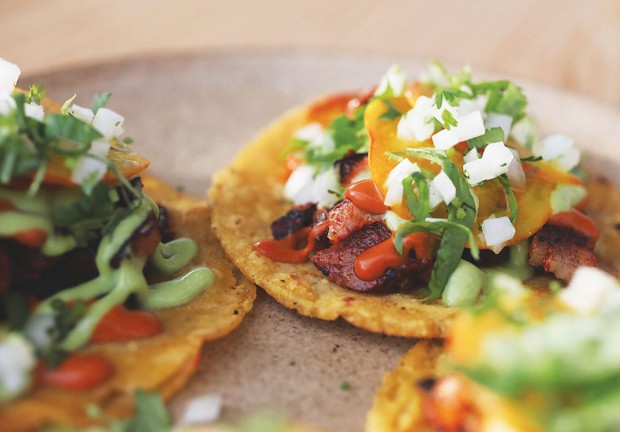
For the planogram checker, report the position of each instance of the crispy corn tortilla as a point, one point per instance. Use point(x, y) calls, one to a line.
point(397, 406)
point(162, 363)
point(248, 195)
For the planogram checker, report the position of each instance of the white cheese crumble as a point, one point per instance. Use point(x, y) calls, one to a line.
point(9, 74)
point(394, 182)
point(392, 83)
point(495, 161)
point(497, 231)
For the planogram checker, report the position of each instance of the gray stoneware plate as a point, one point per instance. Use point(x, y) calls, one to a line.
point(190, 114)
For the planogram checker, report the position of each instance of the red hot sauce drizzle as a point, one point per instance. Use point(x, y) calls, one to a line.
point(366, 196)
point(374, 261)
point(286, 249)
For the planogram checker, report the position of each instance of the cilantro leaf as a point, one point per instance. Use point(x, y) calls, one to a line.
point(510, 197)
point(150, 415)
point(492, 135)
point(348, 134)
point(462, 210)
point(506, 98)
point(69, 136)
point(448, 119)
point(36, 93)
point(100, 101)
point(419, 205)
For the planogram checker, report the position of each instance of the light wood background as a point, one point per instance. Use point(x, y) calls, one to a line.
point(571, 44)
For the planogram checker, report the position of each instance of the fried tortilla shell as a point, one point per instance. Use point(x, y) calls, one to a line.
point(398, 403)
point(161, 363)
point(248, 195)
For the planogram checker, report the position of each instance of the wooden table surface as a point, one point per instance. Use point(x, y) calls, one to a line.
point(573, 45)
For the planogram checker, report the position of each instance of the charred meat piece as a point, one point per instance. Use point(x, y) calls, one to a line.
point(560, 251)
point(295, 219)
point(345, 218)
point(338, 261)
point(163, 223)
point(349, 166)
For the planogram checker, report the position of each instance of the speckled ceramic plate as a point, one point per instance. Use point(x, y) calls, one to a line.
point(190, 114)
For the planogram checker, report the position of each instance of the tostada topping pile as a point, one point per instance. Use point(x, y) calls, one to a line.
point(77, 236)
point(432, 185)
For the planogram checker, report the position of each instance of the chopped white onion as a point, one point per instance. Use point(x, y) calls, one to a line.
point(559, 150)
point(471, 155)
point(393, 221)
point(86, 167)
point(494, 162)
point(40, 329)
point(394, 79)
point(108, 123)
point(515, 173)
point(34, 111)
point(204, 409)
point(569, 160)
point(9, 74)
point(497, 231)
point(83, 114)
point(305, 185)
point(322, 188)
point(434, 197)
point(312, 132)
point(7, 103)
point(555, 146)
point(503, 121)
point(99, 148)
point(416, 124)
point(445, 139)
point(444, 186)
point(317, 137)
point(394, 182)
point(467, 106)
point(298, 179)
point(589, 290)
point(469, 126)
point(16, 362)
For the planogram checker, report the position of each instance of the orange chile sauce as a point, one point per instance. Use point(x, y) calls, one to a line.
point(82, 372)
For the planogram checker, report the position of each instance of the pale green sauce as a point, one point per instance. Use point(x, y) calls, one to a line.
point(468, 280)
point(170, 257)
point(517, 265)
point(115, 285)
